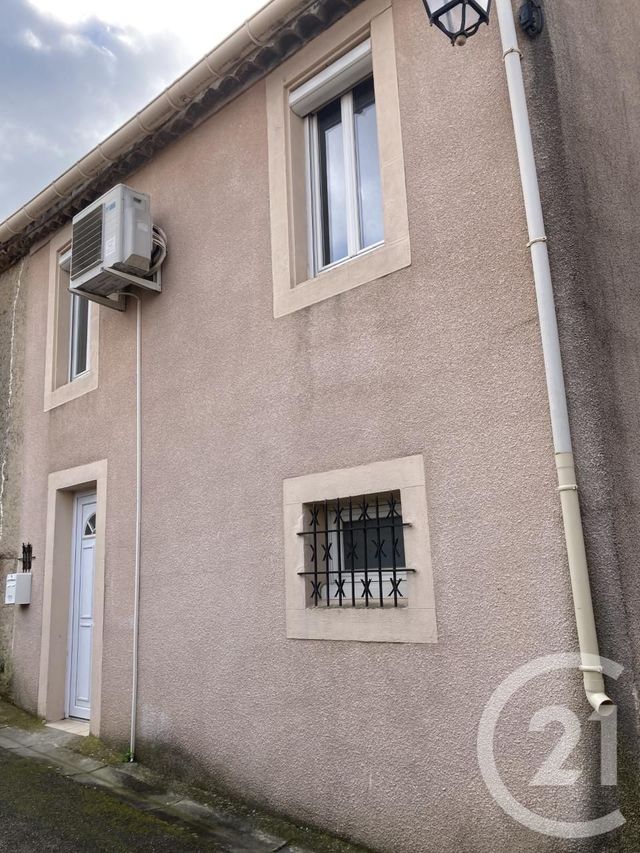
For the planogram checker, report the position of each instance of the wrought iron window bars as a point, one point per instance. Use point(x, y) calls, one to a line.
point(354, 552)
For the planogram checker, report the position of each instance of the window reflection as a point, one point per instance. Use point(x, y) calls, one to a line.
point(80, 328)
point(333, 189)
point(369, 185)
point(346, 191)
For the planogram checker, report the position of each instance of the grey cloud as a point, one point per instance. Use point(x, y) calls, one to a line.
point(64, 88)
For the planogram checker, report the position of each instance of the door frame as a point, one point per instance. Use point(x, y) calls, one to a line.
point(76, 553)
point(63, 486)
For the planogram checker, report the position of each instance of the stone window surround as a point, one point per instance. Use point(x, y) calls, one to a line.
point(56, 394)
point(415, 623)
point(62, 489)
point(292, 287)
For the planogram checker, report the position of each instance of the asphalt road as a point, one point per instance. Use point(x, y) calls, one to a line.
point(42, 811)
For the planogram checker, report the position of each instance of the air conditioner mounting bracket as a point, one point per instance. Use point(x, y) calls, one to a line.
point(118, 301)
point(146, 283)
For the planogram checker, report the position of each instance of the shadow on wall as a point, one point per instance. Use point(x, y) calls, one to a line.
point(6, 626)
point(173, 762)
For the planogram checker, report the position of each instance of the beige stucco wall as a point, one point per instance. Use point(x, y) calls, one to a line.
point(442, 359)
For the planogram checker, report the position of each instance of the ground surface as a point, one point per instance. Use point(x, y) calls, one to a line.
point(62, 792)
point(40, 811)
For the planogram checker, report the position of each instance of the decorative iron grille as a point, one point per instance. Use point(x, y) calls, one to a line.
point(354, 552)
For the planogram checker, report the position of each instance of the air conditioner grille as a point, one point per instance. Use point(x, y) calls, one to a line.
point(86, 243)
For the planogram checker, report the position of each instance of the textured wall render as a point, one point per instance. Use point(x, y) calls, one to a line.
point(584, 84)
point(441, 359)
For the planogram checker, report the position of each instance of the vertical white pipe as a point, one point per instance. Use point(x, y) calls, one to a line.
point(535, 224)
point(136, 588)
point(583, 604)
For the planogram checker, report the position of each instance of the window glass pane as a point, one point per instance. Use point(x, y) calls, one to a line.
point(361, 538)
point(79, 335)
point(332, 183)
point(369, 187)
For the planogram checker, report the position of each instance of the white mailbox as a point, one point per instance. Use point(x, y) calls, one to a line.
point(18, 589)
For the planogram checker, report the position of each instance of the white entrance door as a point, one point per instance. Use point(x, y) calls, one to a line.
point(81, 624)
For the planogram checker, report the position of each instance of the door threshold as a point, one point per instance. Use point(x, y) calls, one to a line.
point(71, 726)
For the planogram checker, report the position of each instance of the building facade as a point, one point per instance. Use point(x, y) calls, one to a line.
point(330, 341)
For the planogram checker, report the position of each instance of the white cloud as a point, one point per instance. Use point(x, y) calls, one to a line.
point(195, 25)
point(75, 42)
point(32, 40)
point(73, 70)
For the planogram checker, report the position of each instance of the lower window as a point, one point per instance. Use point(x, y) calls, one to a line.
point(354, 552)
point(357, 556)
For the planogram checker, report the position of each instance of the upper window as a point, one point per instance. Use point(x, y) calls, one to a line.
point(71, 366)
point(77, 355)
point(336, 170)
point(344, 190)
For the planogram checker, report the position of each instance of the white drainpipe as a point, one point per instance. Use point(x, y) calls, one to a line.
point(136, 571)
point(587, 637)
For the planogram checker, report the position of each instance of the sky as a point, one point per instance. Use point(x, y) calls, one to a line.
point(71, 71)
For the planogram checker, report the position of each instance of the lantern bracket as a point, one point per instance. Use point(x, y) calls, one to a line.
point(531, 18)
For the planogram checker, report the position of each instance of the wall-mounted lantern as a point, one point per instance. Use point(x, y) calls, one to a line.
point(458, 19)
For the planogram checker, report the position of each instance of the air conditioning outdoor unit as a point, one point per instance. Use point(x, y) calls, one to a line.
point(112, 246)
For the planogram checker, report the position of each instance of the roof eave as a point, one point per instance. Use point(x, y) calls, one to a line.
point(265, 39)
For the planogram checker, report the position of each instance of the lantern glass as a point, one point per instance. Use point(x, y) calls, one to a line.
point(453, 20)
point(458, 19)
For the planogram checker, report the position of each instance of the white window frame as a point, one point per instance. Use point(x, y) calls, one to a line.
point(65, 264)
point(337, 79)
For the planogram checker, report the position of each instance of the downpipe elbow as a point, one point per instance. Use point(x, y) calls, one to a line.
point(594, 690)
point(600, 702)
